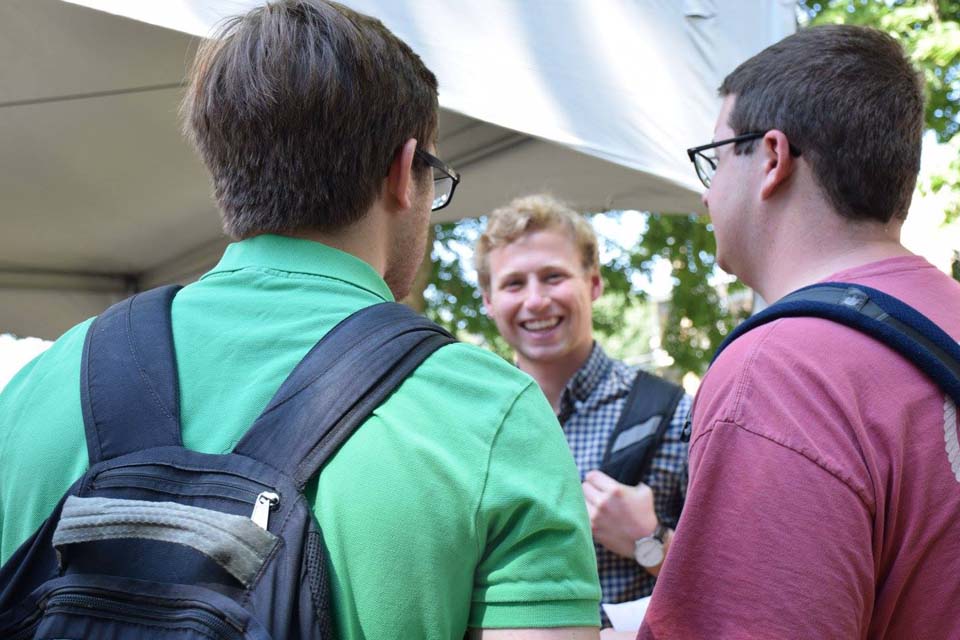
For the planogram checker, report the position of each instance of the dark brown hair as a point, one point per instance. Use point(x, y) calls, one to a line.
point(297, 109)
point(850, 100)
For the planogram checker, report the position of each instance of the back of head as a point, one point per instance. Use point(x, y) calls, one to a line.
point(527, 215)
point(850, 100)
point(297, 109)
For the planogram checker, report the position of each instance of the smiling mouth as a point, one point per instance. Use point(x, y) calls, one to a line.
point(541, 325)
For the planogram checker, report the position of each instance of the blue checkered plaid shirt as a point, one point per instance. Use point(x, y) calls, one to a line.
point(589, 409)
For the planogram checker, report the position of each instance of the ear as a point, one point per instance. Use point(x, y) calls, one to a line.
point(778, 163)
point(487, 300)
point(399, 183)
point(596, 285)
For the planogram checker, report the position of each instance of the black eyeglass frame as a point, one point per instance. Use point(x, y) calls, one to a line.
point(440, 165)
point(693, 152)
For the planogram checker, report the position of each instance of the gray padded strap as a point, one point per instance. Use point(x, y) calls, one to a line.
point(235, 543)
point(636, 433)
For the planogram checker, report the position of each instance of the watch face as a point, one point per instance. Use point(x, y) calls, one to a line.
point(649, 552)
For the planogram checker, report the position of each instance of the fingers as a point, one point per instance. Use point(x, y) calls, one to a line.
point(592, 494)
point(601, 481)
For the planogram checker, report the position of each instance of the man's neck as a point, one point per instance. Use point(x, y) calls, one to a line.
point(552, 377)
point(364, 239)
point(803, 256)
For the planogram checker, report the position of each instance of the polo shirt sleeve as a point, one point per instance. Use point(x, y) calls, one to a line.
point(42, 445)
point(537, 567)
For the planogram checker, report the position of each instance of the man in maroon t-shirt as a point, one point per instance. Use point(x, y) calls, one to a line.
point(824, 495)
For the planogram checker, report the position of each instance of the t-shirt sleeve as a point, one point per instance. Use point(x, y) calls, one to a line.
point(771, 545)
point(537, 567)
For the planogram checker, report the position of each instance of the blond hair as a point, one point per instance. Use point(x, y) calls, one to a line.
point(529, 214)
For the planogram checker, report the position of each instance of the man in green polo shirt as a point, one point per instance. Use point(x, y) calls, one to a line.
point(456, 508)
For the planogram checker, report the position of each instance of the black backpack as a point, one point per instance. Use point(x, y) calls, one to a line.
point(878, 314)
point(644, 420)
point(157, 541)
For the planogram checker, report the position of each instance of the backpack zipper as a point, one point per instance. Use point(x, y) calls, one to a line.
point(266, 501)
point(138, 477)
point(133, 611)
point(124, 477)
point(154, 484)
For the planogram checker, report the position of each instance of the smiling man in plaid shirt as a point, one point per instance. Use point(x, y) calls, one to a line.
point(538, 267)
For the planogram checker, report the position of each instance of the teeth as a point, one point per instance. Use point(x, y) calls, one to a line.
point(540, 325)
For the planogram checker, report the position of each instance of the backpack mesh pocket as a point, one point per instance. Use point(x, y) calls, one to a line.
point(318, 577)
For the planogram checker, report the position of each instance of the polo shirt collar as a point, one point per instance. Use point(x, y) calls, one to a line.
point(297, 255)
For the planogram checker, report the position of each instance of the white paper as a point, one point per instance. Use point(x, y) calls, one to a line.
point(627, 616)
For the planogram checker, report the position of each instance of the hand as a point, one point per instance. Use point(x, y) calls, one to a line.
point(619, 514)
point(610, 634)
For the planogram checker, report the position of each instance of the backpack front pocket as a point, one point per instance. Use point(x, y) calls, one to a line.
point(239, 545)
point(105, 608)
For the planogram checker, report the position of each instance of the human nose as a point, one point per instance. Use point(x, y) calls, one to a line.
point(536, 298)
point(703, 198)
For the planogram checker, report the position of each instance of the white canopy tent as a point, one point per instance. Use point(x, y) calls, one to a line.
point(593, 100)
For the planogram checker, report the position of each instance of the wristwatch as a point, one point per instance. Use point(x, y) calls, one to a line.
point(649, 551)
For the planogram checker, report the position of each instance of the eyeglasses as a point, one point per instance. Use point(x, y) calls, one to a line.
point(445, 179)
point(706, 163)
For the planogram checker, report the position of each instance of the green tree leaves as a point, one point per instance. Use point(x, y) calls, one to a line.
point(701, 310)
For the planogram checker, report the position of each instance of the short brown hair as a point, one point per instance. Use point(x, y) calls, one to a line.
point(850, 100)
point(526, 215)
point(297, 109)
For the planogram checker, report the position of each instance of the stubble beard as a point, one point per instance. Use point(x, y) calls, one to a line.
point(402, 273)
point(407, 251)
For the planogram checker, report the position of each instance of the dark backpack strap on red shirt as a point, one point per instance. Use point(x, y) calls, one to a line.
point(336, 386)
point(128, 378)
point(879, 315)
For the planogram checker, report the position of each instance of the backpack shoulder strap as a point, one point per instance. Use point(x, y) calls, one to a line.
point(879, 315)
point(644, 420)
point(129, 393)
point(336, 386)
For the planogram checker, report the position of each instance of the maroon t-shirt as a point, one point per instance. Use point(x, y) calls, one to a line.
point(824, 496)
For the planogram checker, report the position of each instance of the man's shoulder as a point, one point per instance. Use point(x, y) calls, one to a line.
point(821, 345)
point(462, 356)
point(42, 446)
point(799, 382)
point(45, 374)
point(470, 380)
point(623, 370)
point(784, 352)
point(615, 376)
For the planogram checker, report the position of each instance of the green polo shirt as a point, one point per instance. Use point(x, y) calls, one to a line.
point(456, 504)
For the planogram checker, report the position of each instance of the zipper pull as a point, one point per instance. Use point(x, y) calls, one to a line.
point(261, 508)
